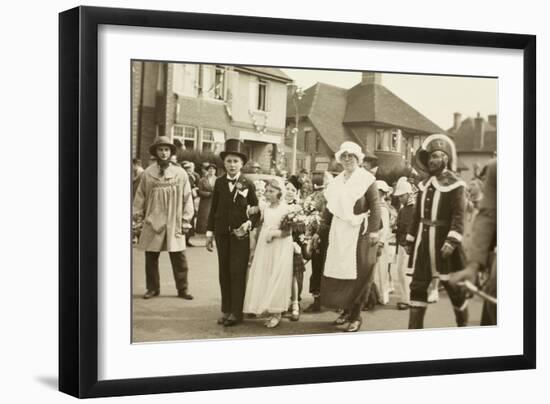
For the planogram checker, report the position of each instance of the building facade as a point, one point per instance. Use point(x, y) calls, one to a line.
point(201, 106)
point(368, 114)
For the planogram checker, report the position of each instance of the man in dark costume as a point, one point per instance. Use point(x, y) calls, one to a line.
point(435, 235)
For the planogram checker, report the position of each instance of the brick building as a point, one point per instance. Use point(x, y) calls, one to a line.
point(201, 106)
point(368, 114)
point(476, 141)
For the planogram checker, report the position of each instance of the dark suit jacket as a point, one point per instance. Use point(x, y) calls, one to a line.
point(228, 210)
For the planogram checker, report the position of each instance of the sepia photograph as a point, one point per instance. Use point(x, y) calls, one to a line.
point(270, 201)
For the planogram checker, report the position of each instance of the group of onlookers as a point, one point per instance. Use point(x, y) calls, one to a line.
point(365, 239)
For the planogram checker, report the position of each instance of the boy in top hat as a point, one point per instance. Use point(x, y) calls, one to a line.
point(229, 224)
point(435, 235)
point(163, 200)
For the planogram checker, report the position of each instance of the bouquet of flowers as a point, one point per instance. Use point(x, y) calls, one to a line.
point(295, 220)
point(304, 220)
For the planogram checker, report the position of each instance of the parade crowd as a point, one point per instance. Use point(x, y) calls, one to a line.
point(366, 239)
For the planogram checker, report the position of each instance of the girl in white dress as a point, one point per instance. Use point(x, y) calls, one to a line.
point(269, 283)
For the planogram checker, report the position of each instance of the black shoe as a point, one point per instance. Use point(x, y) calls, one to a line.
point(461, 317)
point(403, 306)
point(416, 317)
point(222, 319)
point(354, 326)
point(342, 319)
point(151, 293)
point(231, 321)
point(184, 295)
point(314, 307)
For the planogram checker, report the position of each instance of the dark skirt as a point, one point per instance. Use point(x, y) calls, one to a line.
point(344, 293)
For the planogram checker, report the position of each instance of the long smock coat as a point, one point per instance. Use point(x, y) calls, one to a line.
point(166, 205)
point(206, 188)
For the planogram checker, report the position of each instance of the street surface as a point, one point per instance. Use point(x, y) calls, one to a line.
point(169, 318)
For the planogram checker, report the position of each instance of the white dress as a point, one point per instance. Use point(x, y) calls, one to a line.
point(269, 283)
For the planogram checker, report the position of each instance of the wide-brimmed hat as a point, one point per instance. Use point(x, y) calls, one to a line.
point(162, 141)
point(402, 187)
point(350, 148)
point(234, 147)
point(437, 142)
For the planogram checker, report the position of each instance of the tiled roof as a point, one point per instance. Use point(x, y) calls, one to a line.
point(325, 106)
point(466, 137)
point(375, 103)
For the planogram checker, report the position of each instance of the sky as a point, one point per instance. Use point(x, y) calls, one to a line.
point(436, 97)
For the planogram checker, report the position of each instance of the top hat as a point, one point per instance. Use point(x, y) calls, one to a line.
point(434, 143)
point(162, 141)
point(234, 147)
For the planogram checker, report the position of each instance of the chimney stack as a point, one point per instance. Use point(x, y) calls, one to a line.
point(479, 126)
point(457, 120)
point(493, 121)
point(371, 78)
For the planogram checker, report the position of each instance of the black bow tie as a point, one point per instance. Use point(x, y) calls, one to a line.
point(232, 181)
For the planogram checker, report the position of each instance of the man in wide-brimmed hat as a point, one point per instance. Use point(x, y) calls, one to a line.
point(163, 200)
point(435, 235)
point(229, 224)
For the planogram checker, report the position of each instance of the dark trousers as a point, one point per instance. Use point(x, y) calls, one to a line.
point(489, 311)
point(179, 268)
point(317, 263)
point(233, 264)
point(422, 277)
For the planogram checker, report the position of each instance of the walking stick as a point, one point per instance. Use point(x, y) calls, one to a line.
point(476, 291)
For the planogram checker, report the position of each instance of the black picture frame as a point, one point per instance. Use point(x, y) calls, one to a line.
point(78, 179)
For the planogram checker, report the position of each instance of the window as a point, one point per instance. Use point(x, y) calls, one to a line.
point(219, 83)
point(307, 140)
point(388, 140)
point(317, 143)
point(207, 140)
point(187, 135)
point(213, 82)
point(262, 95)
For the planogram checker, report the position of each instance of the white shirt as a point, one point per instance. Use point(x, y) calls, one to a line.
point(232, 186)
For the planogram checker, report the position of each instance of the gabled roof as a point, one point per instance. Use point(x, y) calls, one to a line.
point(325, 106)
point(269, 72)
point(375, 103)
